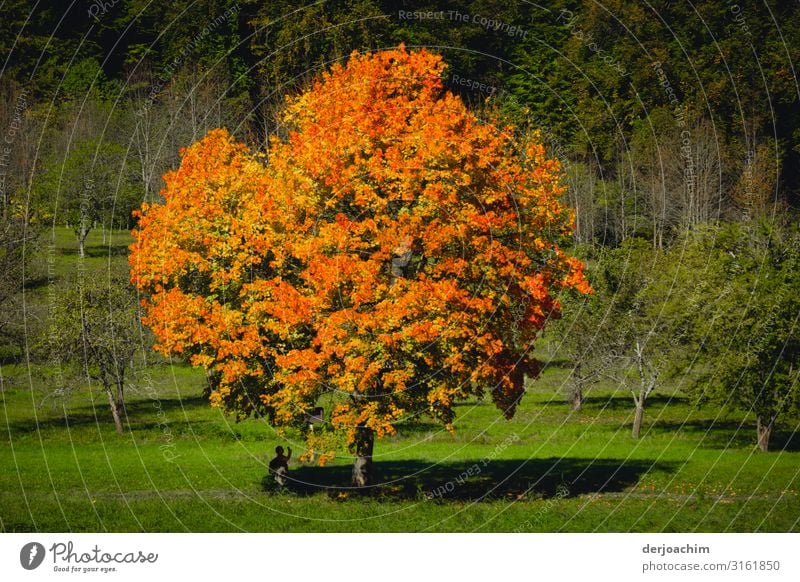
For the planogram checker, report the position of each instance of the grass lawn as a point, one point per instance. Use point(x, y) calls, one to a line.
point(183, 466)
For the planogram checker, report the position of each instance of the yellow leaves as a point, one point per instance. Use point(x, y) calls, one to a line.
point(535, 151)
point(397, 380)
point(383, 429)
point(441, 398)
point(218, 396)
point(343, 415)
point(196, 227)
point(201, 360)
point(321, 457)
point(320, 448)
point(232, 370)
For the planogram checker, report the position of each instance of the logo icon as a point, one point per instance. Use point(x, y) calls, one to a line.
point(31, 555)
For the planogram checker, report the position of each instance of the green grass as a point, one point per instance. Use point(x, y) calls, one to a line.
point(183, 466)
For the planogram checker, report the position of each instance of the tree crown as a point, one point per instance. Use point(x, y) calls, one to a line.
point(394, 253)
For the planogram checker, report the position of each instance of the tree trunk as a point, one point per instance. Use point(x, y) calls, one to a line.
point(576, 399)
point(764, 430)
point(120, 398)
point(637, 418)
point(115, 412)
point(362, 467)
point(83, 233)
point(82, 236)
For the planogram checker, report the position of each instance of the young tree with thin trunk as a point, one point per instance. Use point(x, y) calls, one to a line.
point(395, 254)
point(647, 374)
point(96, 332)
point(634, 345)
point(91, 184)
point(585, 337)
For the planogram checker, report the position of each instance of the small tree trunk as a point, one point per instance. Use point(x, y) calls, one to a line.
point(638, 417)
point(764, 430)
point(115, 412)
point(362, 467)
point(648, 376)
point(120, 397)
point(83, 234)
point(576, 399)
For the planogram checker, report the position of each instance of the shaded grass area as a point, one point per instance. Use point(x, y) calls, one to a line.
point(517, 479)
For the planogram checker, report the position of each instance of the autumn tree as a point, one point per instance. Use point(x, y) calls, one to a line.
point(395, 254)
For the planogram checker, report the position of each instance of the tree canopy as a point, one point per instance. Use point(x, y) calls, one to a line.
point(393, 252)
point(732, 303)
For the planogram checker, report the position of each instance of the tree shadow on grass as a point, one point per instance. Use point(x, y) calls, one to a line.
point(36, 282)
point(139, 418)
point(557, 362)
point(613, 403)
point(12, 356)
point(516, 479)
point(626, 402)
point(729, 434)
point(98, 250)
point(148, 405)
point(784, 440)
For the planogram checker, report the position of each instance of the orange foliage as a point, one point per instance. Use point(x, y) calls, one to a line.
point(395, 250)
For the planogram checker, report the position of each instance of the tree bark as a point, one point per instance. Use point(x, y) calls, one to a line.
point(115, 412)
point(648, 376)
point(576, 398)
point(362, 466)
point(638, 417)
point(83, 234)
point(120, 397)
point(764, 430)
